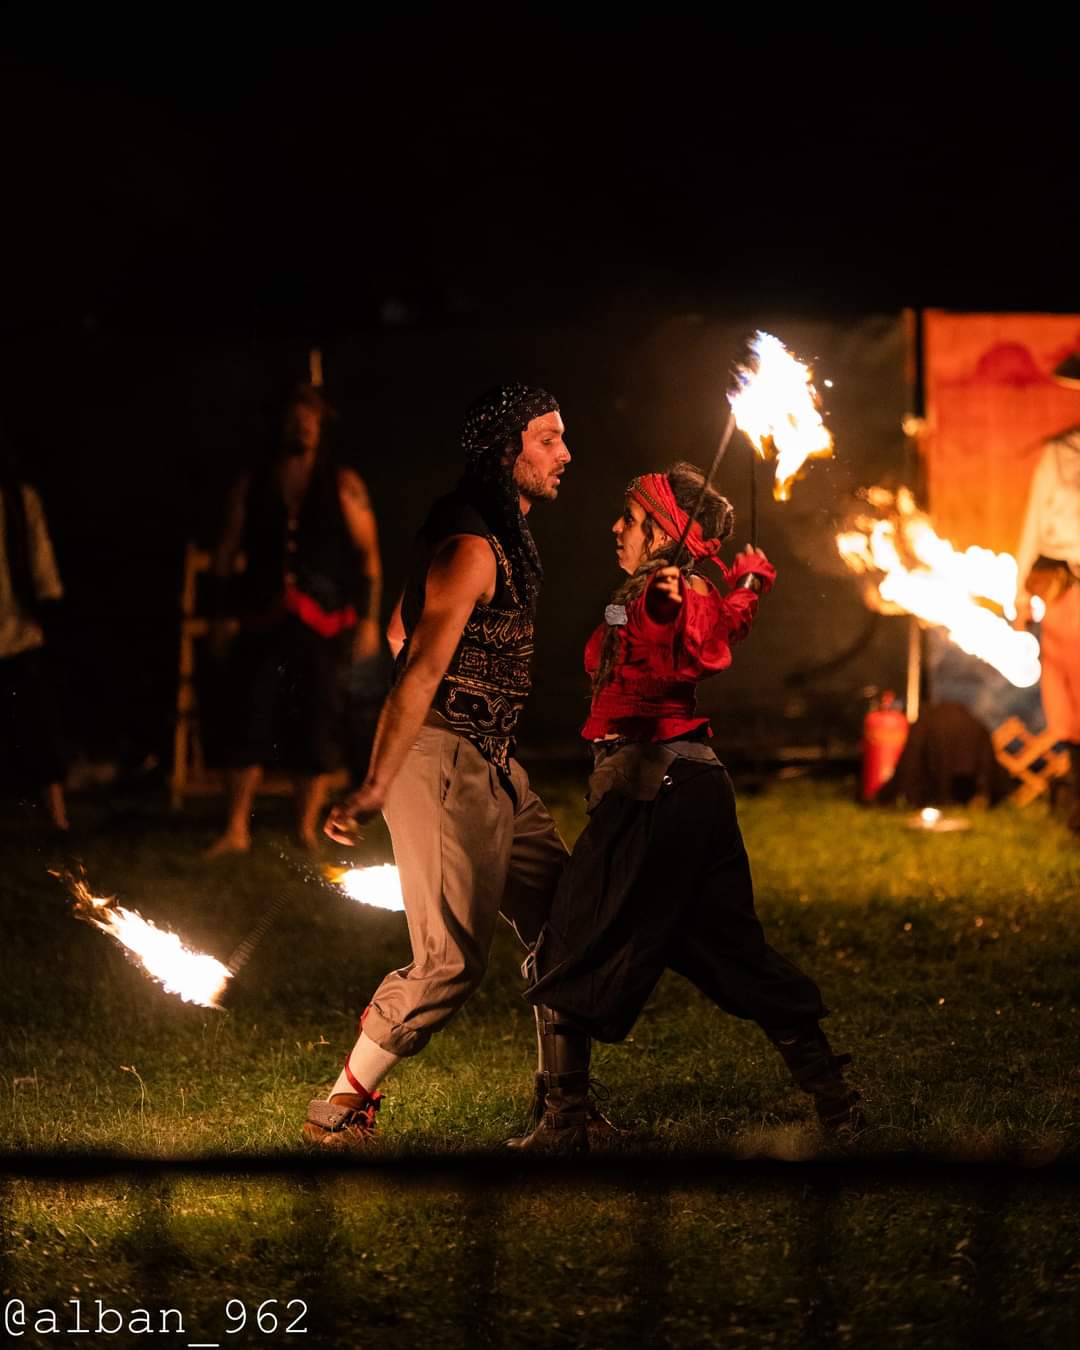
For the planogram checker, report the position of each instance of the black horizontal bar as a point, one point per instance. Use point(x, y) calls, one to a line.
point(496, 1169)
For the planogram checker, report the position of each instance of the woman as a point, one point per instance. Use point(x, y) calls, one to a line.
point(660, 878)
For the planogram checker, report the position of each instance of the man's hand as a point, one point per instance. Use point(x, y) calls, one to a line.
point(345, 822)
point(1023, 612)
point(365, 645)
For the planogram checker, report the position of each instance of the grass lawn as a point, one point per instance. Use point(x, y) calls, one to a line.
point(951, 964)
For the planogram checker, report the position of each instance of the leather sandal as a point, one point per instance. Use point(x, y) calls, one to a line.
point(346, 1121)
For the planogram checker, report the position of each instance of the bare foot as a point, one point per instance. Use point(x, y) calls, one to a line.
point(308, 840)
point(229, 843)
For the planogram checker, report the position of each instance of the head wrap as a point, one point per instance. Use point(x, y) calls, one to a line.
point(652, 492)
point(493, 425)
point(498, 417)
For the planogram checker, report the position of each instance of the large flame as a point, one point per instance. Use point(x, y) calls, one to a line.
point(194, 976)
point(777, 408)
point(912, 570)
point(378, 886)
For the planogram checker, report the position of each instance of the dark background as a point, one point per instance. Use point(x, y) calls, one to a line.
point(440, 204)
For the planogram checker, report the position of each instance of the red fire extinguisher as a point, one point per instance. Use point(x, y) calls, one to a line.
point(885, 733)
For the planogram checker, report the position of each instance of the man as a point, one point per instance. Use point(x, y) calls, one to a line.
point(1048, 565)
point(311, 595)
point(29, 581)
point(471, 838)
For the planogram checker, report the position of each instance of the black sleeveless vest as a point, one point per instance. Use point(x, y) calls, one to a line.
point(489, 676)
point(316, 555)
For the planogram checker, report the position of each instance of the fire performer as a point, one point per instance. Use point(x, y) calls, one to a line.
point(311, 597)
point(1048, 565)
point(660, 877)
point(471, 839)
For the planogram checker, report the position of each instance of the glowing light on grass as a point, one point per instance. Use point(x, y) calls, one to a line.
point(379, 886)
point(193, 976)
point(912, 570)
point(932, 819)
point(777, 408)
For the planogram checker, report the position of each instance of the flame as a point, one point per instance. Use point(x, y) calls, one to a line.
point(378, 886)
point(913, 570)
point(195, 976)
point(776, 405)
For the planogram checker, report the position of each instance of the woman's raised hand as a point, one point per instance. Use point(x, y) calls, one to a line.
point(667, 587)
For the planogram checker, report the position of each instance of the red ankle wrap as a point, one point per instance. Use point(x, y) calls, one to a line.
point(355, 1083)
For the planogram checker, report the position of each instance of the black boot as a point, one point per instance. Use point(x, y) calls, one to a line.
point(561, 1100)
point(603, 1133)
point(563, 1048)
point(819, 1073)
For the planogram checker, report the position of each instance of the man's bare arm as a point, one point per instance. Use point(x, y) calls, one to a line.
point(461, 574)
point(231, 539)
point(360, 522)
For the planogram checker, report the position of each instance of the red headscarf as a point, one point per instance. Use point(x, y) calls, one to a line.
point(652, 492)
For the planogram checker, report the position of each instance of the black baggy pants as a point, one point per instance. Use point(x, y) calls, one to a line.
point(663, 884)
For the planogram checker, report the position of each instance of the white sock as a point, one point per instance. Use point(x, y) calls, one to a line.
point(369, 1064)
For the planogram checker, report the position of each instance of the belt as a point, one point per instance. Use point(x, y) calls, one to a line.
point(638, 769)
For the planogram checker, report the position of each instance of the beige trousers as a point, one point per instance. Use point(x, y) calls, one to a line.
point(466, 853)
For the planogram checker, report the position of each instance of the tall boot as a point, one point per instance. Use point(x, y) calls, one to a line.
point(603, 1133)
point(561, 1101)
point(819, 1073)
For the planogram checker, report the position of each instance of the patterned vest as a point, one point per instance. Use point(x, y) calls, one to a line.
point(489, 676)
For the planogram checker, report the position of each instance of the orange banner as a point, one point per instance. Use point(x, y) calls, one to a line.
point(990, 405)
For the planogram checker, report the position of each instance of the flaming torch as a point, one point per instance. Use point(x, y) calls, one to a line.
point(194, 976)
point(778, 410)
point(378, 886)
point(910, 569)
point(774, 404)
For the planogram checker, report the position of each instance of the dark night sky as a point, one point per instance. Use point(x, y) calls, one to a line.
point(180, 202)
point(289, 179)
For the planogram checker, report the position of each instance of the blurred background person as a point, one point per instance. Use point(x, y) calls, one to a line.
point(29, 582)
point(308, 603)
point(1048, 566)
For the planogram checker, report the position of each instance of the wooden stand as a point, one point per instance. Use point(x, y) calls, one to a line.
point(189, 773)
point(1032, 759)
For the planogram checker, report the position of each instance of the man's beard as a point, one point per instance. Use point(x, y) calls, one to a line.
point(537, 487)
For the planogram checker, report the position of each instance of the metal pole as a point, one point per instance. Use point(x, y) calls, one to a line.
point(721, 450)
point(914, 669)
point(753, 496)
point(913, 425)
